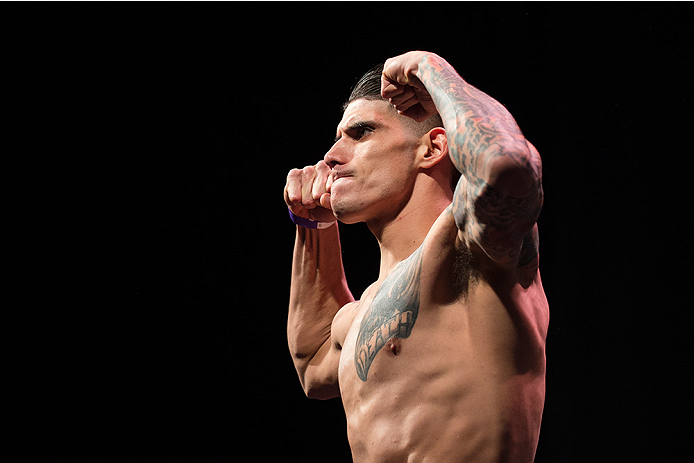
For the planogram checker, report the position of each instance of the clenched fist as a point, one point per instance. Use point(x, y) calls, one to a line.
point(401, 86)
point(307, 192)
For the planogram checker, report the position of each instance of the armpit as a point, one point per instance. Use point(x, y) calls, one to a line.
point(530, 248)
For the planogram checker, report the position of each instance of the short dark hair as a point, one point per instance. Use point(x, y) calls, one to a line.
point(369, 88)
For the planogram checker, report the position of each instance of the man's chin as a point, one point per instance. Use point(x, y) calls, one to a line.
point(346, 215)
point(348, 221)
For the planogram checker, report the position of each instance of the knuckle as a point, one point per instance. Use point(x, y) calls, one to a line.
point(294, 173)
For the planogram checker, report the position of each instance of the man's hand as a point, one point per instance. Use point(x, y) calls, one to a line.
point(307, 192)
point(404, 90)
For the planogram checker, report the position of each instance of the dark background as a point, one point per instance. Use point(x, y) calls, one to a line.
point(180, 123)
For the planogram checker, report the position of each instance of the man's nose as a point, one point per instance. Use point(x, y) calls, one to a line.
point(334, 156)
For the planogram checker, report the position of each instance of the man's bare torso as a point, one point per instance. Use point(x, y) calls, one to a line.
point(431, 374)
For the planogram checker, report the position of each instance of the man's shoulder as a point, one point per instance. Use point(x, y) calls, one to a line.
point(448, 255)
point(342, 322)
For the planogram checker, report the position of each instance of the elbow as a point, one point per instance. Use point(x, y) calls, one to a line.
point(313, 393)
point(321, 390)
point(517, 174)
point(321, 393)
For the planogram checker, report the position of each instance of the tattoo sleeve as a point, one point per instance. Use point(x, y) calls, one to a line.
point(499, 196)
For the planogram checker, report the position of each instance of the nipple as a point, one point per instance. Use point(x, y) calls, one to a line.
point(393, 345)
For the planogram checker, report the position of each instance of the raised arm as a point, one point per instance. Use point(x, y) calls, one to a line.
point(499, 196)
point(318, 286)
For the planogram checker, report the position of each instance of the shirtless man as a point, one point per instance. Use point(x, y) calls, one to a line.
point(443, 358)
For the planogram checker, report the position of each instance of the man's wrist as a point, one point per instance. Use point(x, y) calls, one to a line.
point(308, 223)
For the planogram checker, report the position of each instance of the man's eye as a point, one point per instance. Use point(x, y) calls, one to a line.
point(361, 131)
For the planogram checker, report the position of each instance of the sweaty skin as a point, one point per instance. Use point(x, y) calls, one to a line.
point(442, 359)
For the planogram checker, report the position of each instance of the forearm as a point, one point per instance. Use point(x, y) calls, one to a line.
point(499, 196)
point(483, 137)
point(318, 290)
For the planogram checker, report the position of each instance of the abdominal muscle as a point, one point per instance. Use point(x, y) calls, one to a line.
point(449, 392)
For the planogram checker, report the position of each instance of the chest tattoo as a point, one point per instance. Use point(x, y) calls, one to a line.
point(393, 312)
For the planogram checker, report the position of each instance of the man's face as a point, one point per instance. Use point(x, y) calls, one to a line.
point(374, 162)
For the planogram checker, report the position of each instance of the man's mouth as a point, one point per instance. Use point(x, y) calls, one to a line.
point(338, 174)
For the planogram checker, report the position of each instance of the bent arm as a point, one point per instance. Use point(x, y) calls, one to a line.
point(499, 196)
point(318, 291)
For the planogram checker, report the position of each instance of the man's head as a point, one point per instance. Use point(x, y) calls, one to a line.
point(379, 154)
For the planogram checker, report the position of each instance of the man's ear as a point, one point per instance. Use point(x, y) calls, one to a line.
point(436, 143)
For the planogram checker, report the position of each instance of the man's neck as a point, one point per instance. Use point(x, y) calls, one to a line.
point(400, 235)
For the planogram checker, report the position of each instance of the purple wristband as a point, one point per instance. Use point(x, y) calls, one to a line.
point(308, 223)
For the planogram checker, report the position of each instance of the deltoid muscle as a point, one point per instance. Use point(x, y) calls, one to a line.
point(393, 312)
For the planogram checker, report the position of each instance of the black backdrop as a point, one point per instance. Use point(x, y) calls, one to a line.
point(185, 118)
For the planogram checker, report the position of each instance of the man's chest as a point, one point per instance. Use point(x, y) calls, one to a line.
point(384, 319)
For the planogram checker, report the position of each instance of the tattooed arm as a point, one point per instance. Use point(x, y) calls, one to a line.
point(499, 196)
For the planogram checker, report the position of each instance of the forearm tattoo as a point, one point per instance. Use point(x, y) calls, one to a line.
point(481, 130)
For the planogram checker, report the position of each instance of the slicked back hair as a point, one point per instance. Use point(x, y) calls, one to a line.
point(369, 88)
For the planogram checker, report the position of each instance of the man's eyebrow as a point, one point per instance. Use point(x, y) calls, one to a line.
point(358, 125)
